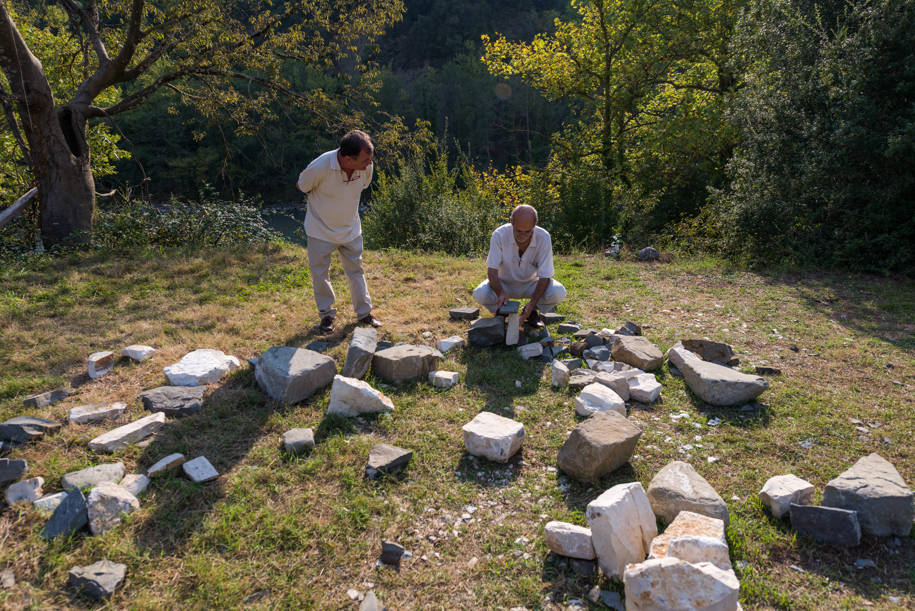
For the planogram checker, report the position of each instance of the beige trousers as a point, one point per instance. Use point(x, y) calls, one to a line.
point(486, 297)
point(319, 253)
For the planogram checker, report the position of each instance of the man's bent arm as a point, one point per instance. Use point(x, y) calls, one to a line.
point(492, 274)
point(539, 290)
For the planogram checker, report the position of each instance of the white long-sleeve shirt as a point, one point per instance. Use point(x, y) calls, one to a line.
point(333, 200)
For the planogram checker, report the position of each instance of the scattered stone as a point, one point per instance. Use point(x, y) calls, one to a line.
point(27, 490)
point(352, 397)
point(316, 346)
point(715, 384)
point(100, 363)
point(513, 329)
point(298, 441)
point(551, 318)
point(671, 583)
point(69, 516)
point(492, 436)
point(677, 487)
point(568, 327)
point(559, 374)
point(649, 254)
point(644, 388)
point(598, 398)
point(569, 540)
point(201, 367)
point(713, 352)
point(865, 563)
point(138, 352)
point(11, 469)
point(529, 351)
point(826, 524)
point(622, 527)
point(174, 401)
point(464, 313)
point(49, 502)
point(135, 483)
point(291, 375)
point(618, 382)
point(172, 461)
point(509, 307)
point(598, 353)
point(768, 371)
point(593, 341)
point(98, 580)
point(874, 488)
point(780, 491)
point(361, 352)
point(405, 363)
point(573, 363)
point(391, 553)
point(87, 478)
point(199, 470)
point(23, 429)
point(370, 603)
point(45, 399)
point(84, 414)
point(578, 381)
point(699, 539)
point(450, 343)
point(630, 328)
point(386, 459)
point(601, 444)
point(637, 351)
point(443, 379)
point(581, 334)
point(129, 433)
point(107, 504)
point(7, 579)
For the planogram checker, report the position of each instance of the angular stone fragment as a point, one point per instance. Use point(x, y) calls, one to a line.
point(616, 367)
point(486, 332)
point(598, 446)
point(629, 328)
point(84, 414)
point(529, 351)
point(715, 384)
point(513, 329)
point(11, 469)
point(443, 379)
point(569, 540)
point(199, 470)
point(360, 353)
point(122, 436)
point(406, 362)
point(28, 490)
point(98, 580)
point(780, 491)
point(352, 397)
point(826, 524)
point(598, 398)
point(49, 502)
point(593, 341)
point(134, 483)
point(568, 327)
point(291, 375)
point(689, 524)
point(492, 436)
point(597, 353)
point(618, 382)
point(677, 487)
point(579, 379)
point(551, 318)
point(559, 374)
point(165, 464)
point(649, 254)
point(874, 488)
point(637, 351)
point(622, 527)
point(138, 352)
point(713, 352)
point(670, 583)
point(200, 367)
point(107, 504)
point(86, 478)
point(391, 553)
point(644, 388)
point(99, 363)
point(174, 401)
point(449, 343)
point(23, 429)
point(45, 399)
point(464, 313)
point(695, 549)
point(298, 441)
point(69, 516)
point(386, 459)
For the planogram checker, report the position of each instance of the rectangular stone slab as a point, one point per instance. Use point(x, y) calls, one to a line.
point(361, 350)
point(122, 436)
point(826, 524)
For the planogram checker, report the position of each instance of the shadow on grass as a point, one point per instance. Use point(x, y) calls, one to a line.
point(487, 474)
point(497, 371)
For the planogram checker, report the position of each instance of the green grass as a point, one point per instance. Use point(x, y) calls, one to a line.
point(283, 532)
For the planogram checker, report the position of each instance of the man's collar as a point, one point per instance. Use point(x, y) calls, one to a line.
point(335, 162)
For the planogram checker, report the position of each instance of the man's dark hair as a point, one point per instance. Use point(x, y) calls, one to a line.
point(355, 142)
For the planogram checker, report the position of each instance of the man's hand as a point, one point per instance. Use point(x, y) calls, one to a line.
point(530, 307)
point(503, 299)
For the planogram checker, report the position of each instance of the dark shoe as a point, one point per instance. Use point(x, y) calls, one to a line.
point(327, 325)
point(535, 320)
point(370, 320)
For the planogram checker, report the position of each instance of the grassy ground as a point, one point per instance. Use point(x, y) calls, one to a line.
point(276, 532)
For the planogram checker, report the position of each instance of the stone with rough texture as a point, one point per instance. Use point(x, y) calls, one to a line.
point(360, 353)
point(569, 540)
point(677, 487)
point(559, 374)
point(637, 351)
point(715, 384)
point(11, 469)
point(69, 516)
point(45, 399)
point(598, 398)
point(199, 470)
point(165, 464)
point(134, 483)
point(492, 436)
point(86, 478)
point(622, 527)
point(780, 491)
point(406, 362)
point(649, 254)
point(486, 332)
point(551, 318)
point(512, 329)
point(464, 313)
point(713, 352)
point(291, 375)
point(352, 397)
point(826, 524)
point(618, 382)
point(601, 444)
point(568, 327)
point(107, 504)
point(695, 549)
point(138, 352)
point(370, 603)
point(391, 553)
point(665, 584)
point(174, 401)
point(27, 490)
point(122, 436)
point(873, 488)
point(597, 353)
point(84, 414)
point(386, 459)
point(529, 351)
point(200, 367)
point(629, 328)
point(49, 502)
point(579, 379)
point(99, 363)
point(443, 379)
point(23, 429)
point(509, 307)
point(690, 524)
point(644, 388)
point(449, 343)
point(98, 580)
point(298, 441)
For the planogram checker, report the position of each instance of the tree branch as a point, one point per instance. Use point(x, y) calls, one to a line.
point(14, 127)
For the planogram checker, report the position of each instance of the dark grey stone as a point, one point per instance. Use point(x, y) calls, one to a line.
point(291, 374)
point(46, 398)
point(593, 341)
point(551, 318)
point(583, 333)
point(487, 332)
point(768, 371)
point(826, 524)
point(23, 429)
point(630, 328)
point(12, 469)
point(583, 567)
point(298, 441)
point(5, 448)
point(361, 351)
point(87, 478)
point(174, 401)
point(317, 346)
point(383, 345)
point(386, 459)
point(391, 552)
point(70, 516)
point(649, 254)
point(509, 307)
point(713, 352)
point(464, 313)
point(600, 353)
point(568, 327)
point(572, 363)
point(98, 580)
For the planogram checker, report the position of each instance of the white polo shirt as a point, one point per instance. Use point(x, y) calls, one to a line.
point(537, 261)
point(333, 200)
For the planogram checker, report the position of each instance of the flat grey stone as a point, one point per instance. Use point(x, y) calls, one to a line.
point(780, 491)
point(593, 340)
point(826, 524)
point(108, 503)
point(582, 333)
point(387, 459)
point(405, 363)
point(123, 436)
point(486, 332)
point(649, 254)
point(298, 441)
point(292, 375)
point(598, 353)
point(569, 540)
point(568, 327)
point(70, 516)
point(96, 412)
point(493, 437)
point(200, 470)
point(713, 352)
point(174, 401)
point(49, 502)
point(200, 367)
point(11, 469)
point(443, 379)
point(464, 313)
point(165, 464)
point(637, 351)
point(598, 446)
point(27, 490)
point(98, 580)
point(23, 429)
point(361, 351)
point(91, 476)
point(352, 397)
point(318, 346)
point(629, 328)
point(678, 487)
point(45, 399)
point(138, 352)
point(509, 307)
point(551, 318)
point(134, 483)
point(391, 553)
point(383, 345)
point(715, 384)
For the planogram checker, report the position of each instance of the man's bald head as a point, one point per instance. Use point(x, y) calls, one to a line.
point(524, 215)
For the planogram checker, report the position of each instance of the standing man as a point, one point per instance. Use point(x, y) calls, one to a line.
point(519, 265)
point(334, 181)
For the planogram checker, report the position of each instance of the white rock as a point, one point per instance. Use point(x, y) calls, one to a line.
point(618, 382)
point(28, 490)
point(596, 397)
point(84, 414)
point(513, 329)
point(108, 503)
point(135, 483)
point(560, 374)
point(49, 502)
point(780, 491)
point(200, 367)
point(529, 351)
point(644, 388)
point(678, 487)
point(690, 524)
point(127, 434)
point(622, 527)
point(569, 540)
point(671, 583)
point(138, 352)
point(443, 379)
point(351, 397)
point(199, 470)
point(100, 363)
point(695, 549)
point(449, 343)
point(162, 465)
point(492, 436)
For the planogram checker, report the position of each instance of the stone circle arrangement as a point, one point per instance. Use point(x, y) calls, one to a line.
point(687, 566)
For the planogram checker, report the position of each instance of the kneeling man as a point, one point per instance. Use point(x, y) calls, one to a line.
point(520, 265)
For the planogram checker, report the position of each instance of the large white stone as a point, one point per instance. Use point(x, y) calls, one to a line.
point(559, 374)
point(690, 524)
point(715, 384)
point(780, 491)
point(695, 549)
point(135, 483)
point(529, 351)
point(99, 363)
point(28, 490)
point(617, 381)
point(492, 436)
point(596, 397)
point(622, 527)
point(569, 540)
point(172, 461)
point(108, 503)
point(678, 487)
point(644, 388)
point(138, 352)
point(200, 367)
point(200, 470)
point(670, 583)
point(351, 397)
point(449, 343)
point(443, 379)
point(512, 329)
point(84, 414)
point(127, 434)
